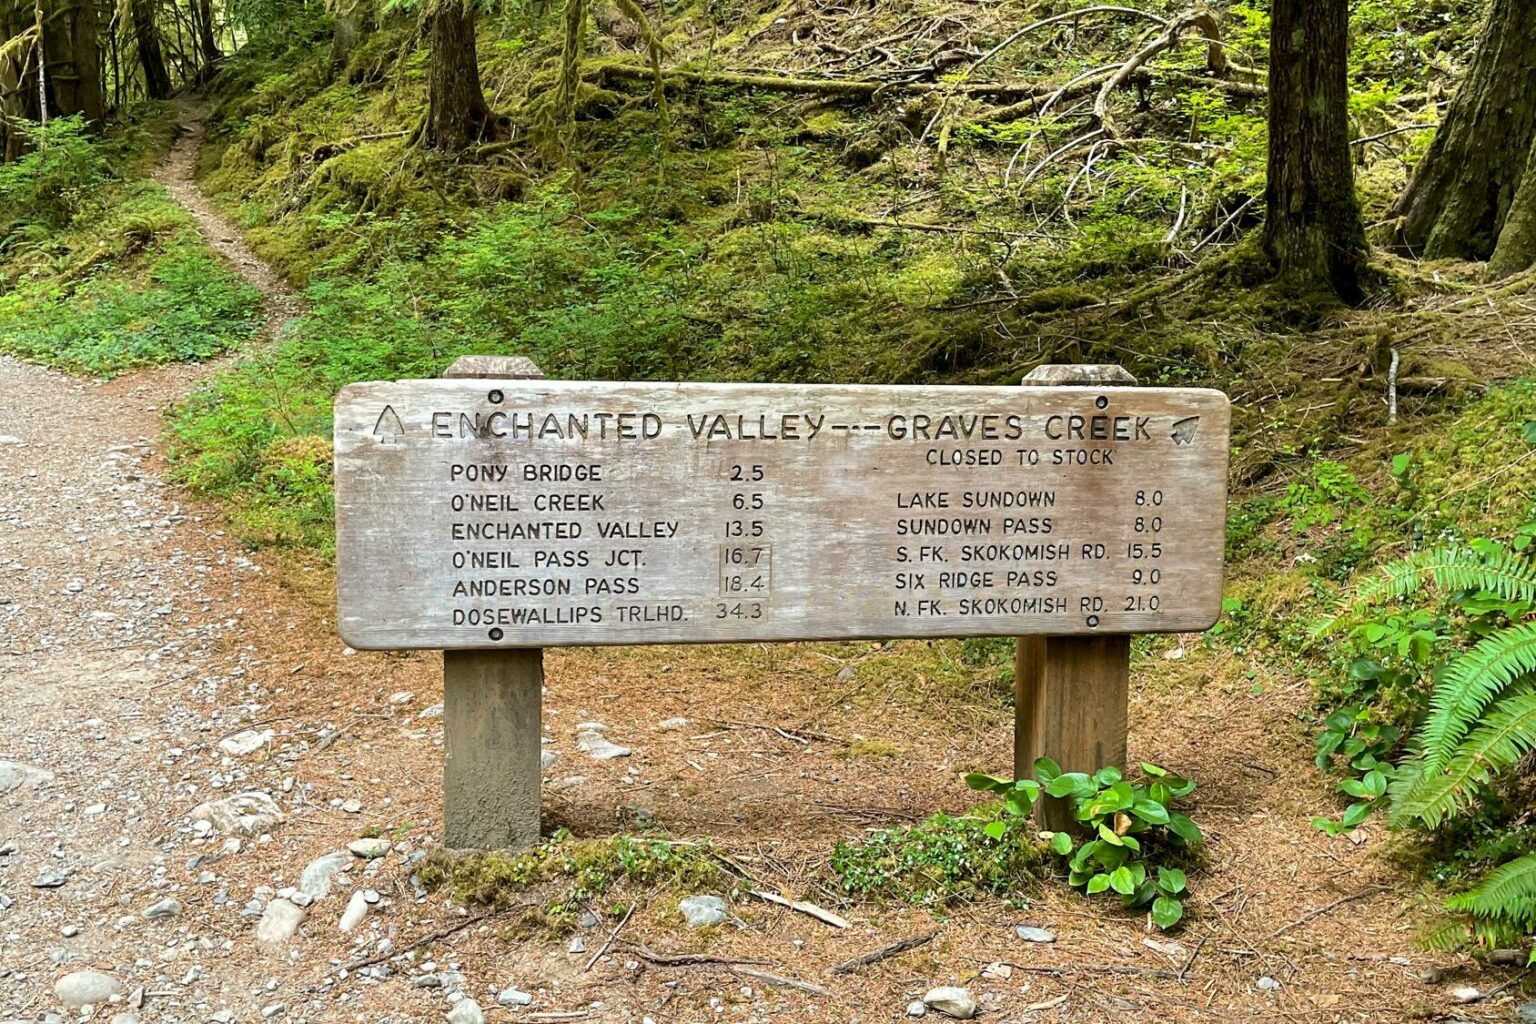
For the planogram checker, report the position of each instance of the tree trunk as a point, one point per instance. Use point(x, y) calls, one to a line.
point(1459, 196)
point(207, 43)
point(457, 113)
point(79, 91)
point(346, 32)
point(1312, 229)
point(1516, 250)
point(157, 81)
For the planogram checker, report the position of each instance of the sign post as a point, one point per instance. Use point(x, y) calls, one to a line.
point(494, 513)
point(493, 703)
point(1070, 692)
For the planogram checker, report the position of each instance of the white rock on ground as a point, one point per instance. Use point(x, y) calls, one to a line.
point(80, 987)
point(315, 879)
point(14, 775)
point(598, 747)
point(514, 997)
point(952, 1001)
point(246, 741)
point(357, 909)
point(246, 814)
point(466, 1011)
point(165, 908)
point(917, 1008)
point(369, 848)
point(279, 921)
point(700, 911)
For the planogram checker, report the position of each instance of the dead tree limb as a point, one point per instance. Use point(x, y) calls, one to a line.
point(884, 953)
point(1165, 41)
point(818, 86)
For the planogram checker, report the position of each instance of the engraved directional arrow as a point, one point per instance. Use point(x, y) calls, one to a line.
point(388, 429)
point(1184, 430)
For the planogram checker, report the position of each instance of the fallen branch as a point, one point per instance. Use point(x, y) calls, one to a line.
point(783, 982)
point(1140, 972)
point(441, 933)
point(1392, 131)
point(1310, 915)
point(809, 909)
point(1068, 16)
point(818, 86)
point(611, 936)
point(686, 959)
point(884, 953)
point(1166, 41)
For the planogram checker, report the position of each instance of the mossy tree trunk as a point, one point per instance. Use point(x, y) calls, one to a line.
point(146, 35)
point(457, 114)
point(346, 32)
point(1312, 229)
point(1516, 250)
point(1460, 195)
point(79, 91)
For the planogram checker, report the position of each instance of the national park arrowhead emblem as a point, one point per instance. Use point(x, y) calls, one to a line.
point(388, 429)
point(1184, 430)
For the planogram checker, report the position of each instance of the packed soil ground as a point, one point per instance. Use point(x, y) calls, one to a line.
point(135, 636)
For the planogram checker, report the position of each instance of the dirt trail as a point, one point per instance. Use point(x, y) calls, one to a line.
point(148, 665)
point(176, 175)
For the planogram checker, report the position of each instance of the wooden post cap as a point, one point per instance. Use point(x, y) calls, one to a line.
point(1078, 373)
point(495, 368)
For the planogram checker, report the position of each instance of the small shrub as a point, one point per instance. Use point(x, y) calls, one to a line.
point(942, 860)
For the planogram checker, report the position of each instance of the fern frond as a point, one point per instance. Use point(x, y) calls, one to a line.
point(1512, 576)
point(1506, 894)
point(1446, 934)
point(1468, 685)
point(1507, 735)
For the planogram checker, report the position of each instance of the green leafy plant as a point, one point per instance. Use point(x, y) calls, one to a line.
point(1478, 722)
point(1364, 746)
point(1129, 828)
point(1132, 826)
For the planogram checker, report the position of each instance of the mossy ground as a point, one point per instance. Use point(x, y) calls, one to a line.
point(104, 273)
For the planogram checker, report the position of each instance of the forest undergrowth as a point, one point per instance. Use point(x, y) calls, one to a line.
point(714, 226)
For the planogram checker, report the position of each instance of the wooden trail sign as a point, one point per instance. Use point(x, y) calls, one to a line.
point(532, 513)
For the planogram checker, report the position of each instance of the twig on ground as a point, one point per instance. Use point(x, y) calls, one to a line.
point(609, 941)
point(783, 982)
point(441, 933)
point(1392, 131)
point(1067, 16)
point(686, 959)
point(1369, 890)
point(1191, 961)
point(1140, 972)
point(810, 909)
point(1392, 390)
point(884, 953)
point(1178, 222)
point(1223, 225)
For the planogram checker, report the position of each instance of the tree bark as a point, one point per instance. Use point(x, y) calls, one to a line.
point(207, 42)
point(1516, 250)
point(457, 113)
point(345, 33)
point(1312, 229)
point(79, 91)
point(1460, 195)
point(157, 81)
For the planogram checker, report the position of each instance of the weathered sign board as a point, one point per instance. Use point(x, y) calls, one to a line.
point(503, 514)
